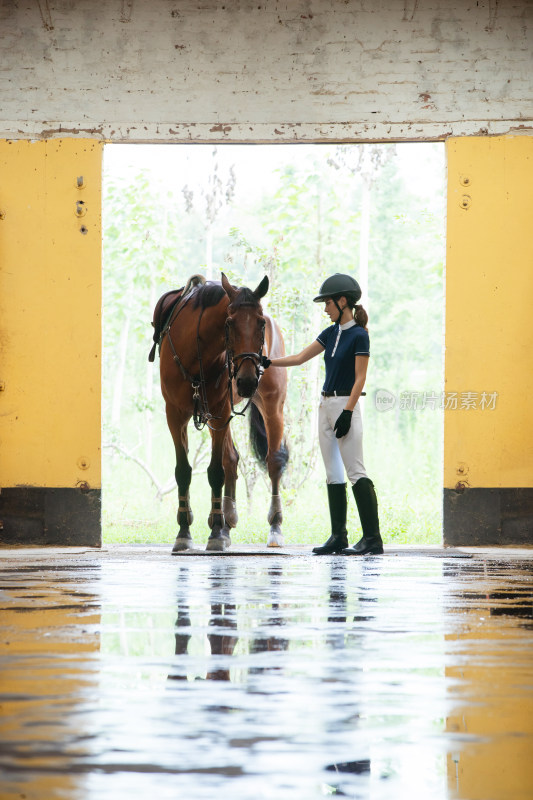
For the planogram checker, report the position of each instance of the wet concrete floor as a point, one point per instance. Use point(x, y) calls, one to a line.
point(128, 673)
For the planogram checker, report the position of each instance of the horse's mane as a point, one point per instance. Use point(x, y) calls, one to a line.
point(210, 294)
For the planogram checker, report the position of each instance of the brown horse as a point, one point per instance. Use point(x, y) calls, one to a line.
point(210, 361)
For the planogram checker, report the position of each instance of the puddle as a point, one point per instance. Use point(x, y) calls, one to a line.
point(267, 678)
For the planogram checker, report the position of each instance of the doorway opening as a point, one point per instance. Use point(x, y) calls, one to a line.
point(297, 213)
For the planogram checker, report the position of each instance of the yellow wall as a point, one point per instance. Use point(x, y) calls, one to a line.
point(489, 307)
point(50, 305)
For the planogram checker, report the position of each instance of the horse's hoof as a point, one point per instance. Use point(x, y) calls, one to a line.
point(275, 539)
point(181, 544)
point(219, 542)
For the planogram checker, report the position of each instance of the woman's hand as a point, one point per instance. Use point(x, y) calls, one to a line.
point(294, 361)
point(342, 426)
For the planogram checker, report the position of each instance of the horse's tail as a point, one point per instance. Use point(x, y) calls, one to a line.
point(258, 440)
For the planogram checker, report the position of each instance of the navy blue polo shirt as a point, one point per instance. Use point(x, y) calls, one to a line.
point(342, 343)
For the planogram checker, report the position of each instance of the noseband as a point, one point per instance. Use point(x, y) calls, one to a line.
point(235, 362)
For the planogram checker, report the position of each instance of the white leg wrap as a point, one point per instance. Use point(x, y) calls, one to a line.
point(275, 536)
point(275, 507)
point(229, 509)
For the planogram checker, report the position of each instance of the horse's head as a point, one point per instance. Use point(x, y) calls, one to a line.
point(245, 334)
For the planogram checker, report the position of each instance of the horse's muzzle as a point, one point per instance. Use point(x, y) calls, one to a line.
point(247, 385)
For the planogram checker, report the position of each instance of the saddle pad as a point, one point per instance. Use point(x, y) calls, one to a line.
point(162, 312)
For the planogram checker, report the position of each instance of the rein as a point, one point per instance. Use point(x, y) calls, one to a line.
point(201, 414)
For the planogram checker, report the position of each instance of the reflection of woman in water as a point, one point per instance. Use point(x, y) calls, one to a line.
point(346, 349)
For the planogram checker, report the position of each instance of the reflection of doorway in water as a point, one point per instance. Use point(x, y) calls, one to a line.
point(296, 213)
point(331, 663)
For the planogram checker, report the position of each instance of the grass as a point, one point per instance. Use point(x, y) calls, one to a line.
point(131, 515)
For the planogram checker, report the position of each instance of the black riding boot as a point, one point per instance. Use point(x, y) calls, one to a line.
point(367, 506)
point(337, 511)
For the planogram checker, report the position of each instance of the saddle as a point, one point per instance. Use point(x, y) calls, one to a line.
point(164, 309)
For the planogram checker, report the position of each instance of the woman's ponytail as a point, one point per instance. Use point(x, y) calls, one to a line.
point(360, 316)
point(359, 313)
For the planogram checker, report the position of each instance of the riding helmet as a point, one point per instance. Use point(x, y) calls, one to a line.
point(338, 285)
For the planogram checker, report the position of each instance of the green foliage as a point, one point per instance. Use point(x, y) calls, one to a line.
point(307, 223)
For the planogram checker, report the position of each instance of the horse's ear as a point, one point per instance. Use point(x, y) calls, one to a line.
point(262, 289)
point(228, 288)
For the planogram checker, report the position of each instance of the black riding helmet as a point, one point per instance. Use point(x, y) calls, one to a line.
point(339, 285)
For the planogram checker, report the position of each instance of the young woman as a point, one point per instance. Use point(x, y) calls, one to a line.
point(346, 349)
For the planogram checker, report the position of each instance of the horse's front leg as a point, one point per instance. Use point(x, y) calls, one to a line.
point(275, 513)
point(183, 473)
point(219, 538)
point(230, 462)
point(276, 459)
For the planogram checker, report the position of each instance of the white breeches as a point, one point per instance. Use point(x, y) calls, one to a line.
point(346, 452)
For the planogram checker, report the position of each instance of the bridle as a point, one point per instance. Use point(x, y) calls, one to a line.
point(233, 363)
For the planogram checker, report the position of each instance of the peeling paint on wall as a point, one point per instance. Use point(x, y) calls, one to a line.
point(189, 71)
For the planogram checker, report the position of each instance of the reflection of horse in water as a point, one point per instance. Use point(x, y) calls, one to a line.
point(269, 634)
point(223, 633)
point(211, 342)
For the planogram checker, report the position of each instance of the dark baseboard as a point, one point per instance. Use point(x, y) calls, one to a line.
point(478, 517)
point(38, 516)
